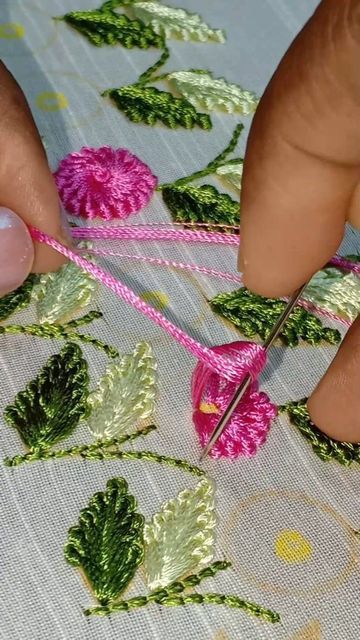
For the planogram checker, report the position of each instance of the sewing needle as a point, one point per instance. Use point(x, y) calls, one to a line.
point(239, 394)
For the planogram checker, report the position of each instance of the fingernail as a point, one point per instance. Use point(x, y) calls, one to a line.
point(16, 251)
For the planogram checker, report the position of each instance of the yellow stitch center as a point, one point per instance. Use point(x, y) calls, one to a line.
point(208, 407)
point(157, 299)
point(51, 101)
point(292, 547)
point(11, 31)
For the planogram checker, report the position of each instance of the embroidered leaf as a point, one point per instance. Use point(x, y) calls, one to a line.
point(325, 448)
point(336, 291)
point(204, 204)
point(125, 394)
point(62, 294)
point(180, 538)
point(149, 105)
point(213, 94)
point(103, 28)
point(18, 299)
point(176, 23)
point(52, 404)
point(107, 544)
point(255, 316)
point(231, 173)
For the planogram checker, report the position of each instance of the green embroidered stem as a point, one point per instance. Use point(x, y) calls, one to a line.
point(85, 450)
point(150, 456)
point(213, 165)
point(60, 332)
point(325, 448)
point(146, 77)
point(169, 596)
point(87, 319)
point(173, 588)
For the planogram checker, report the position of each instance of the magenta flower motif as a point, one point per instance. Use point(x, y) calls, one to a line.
point(104, 183)
point(249, 425)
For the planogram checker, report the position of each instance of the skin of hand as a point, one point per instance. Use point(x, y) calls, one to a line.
point(301, 184)
point(28, 195)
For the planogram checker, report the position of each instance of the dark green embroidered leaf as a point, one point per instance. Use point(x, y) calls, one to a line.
point(327, 449)
point(149, 105)
point(18, 299)
point(255, 316)
point(103, 28)
point(52, 404)
point(189, 203)
point(107, 544)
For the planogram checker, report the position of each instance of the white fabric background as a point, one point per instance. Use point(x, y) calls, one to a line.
point(41, 596)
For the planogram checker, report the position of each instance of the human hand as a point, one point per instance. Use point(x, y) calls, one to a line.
point(28, 194)
point(301, 184)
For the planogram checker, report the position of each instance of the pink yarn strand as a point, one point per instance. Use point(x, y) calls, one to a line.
point(223, 275)
point(230, 368)
point(152, 232)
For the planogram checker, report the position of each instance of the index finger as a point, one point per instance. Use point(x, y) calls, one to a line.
point(302, 164)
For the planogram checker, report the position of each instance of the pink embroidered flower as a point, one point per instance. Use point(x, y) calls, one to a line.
point(104, 183)
point(211, 394)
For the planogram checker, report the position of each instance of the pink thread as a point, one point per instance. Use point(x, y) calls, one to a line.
point(153, 232)
point(230, 368)
point(348, 265)
point(248, 427)
point(161, 231)
point(105, 183)
point(167, 263)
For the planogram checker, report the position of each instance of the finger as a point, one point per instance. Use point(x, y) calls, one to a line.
point(26, 183)
point(302, 165)
point(335, 404)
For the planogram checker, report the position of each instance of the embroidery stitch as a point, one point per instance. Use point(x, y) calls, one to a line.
point(106, 183)
point(18, 299)
point(181, 537)
point(125, 395)
point(254, 316)
point(62, 294)
point(249, 425)
point(142, 103)
point(336, 291)
point(51, 406)
point(108, 546)
point(109, 28)
point(204, 204)
point(325, 448)
point(176, 23)
point(62, 332)
point(231, 173)
point(204, 91)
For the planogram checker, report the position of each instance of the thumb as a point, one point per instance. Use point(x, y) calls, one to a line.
point(28, 194)
point(302, 165)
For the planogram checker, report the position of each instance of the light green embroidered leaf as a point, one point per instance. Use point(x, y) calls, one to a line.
point(108, 28)
point(231, 173)
point(149, 106)
point(52, 404)
point(214, 94)
point(125, 394)
point(191, 204)
point(18, 299)
point(336, 291)
point(107, 544)
point(63, 294)
point(180, 538)
point(176, 23)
